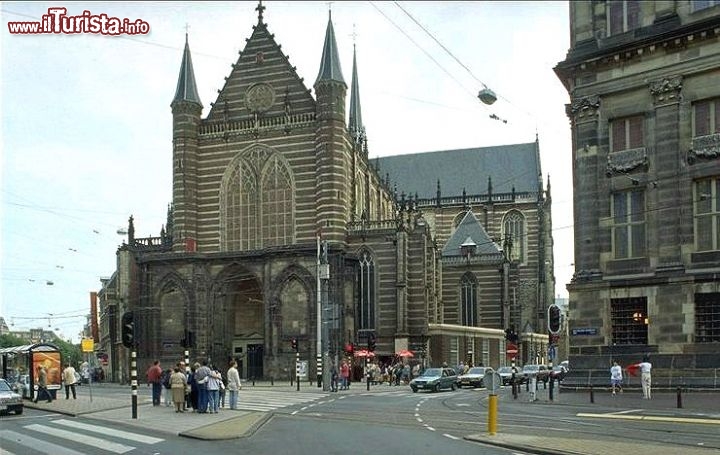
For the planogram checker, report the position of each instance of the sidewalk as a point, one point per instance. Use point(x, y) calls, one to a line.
point(697, 407)
point(227, 424)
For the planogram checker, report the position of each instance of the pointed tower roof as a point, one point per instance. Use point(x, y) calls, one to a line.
point(470, 231)
point(330, 62)
point(355, 124)
point(186, 88)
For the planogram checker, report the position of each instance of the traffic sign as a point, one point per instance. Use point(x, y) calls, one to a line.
point(511, 350)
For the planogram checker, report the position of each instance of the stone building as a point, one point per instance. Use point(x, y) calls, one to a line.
point(283, 228)
point(644, 81)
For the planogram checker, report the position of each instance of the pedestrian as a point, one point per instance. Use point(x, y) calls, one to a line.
point(345, 375)
point(69, 380)
point(233, 385)
point(42, 384)
point(202, 374)
point(645, 377)
point(193, 397)
point(214, 383)
point(334, 374)
point(154, 374)
point(616, 377)
point(165, 381)
point(184, 370)
point(178, 383)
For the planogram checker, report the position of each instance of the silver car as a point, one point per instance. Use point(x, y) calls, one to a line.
point(434, 379)
point(10, 401)
point(474, 377)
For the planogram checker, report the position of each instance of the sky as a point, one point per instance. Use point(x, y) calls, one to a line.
point(87, 128)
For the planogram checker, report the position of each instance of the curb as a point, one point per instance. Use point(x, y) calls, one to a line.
point(518, 447)
point(235, 428)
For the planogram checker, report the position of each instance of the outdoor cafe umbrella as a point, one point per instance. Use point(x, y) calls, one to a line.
point(364, 353)
point(405, 353)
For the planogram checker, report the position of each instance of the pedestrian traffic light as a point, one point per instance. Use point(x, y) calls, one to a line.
point(294, 344)
point(128, 329)
point(554, 319)
point(371, 342)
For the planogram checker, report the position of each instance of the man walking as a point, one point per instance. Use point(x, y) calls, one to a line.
point(42, 384)
point(645, 377)
point(616, 377)
point(69, 380)
point(154, 373)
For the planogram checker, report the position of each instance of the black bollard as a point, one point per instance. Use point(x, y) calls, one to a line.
point(679, 397)
point(552, 383)
point(514, 390)
point(253, 379)
point(592, 394)
point(272, 381)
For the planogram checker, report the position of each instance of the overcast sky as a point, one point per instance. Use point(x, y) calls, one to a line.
point(86, 120)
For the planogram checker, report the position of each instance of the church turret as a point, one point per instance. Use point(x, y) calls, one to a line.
point(186, 111)
point(333, 161)
point(355, 124)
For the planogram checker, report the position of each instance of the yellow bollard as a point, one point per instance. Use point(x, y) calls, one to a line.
point(492, 415)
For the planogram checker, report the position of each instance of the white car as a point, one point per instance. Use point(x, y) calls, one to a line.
point(22, 386)
point(10, 401)
point(474, 377)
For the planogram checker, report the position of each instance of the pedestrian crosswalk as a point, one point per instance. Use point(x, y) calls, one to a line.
point(268, 400)
point(69, 437)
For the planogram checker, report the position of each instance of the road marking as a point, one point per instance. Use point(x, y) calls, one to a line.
point(652, 418)
point(429, 428)
point(81, 438)
point(35, 444)
point(629, 411)
point(109, 431)
point(450, 436)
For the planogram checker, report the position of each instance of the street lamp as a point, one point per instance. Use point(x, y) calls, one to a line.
point(487, 96)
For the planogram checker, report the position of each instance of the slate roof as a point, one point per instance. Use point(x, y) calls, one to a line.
point(330, 61)
point(515, 165)
point(186, 89)
point(470, 230)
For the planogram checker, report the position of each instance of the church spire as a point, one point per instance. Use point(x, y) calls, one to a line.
point(355, 124)
point(330, 62)
point(186, 88)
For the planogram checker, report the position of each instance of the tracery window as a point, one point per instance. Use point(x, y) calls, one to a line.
point(366, 292)
point(514, 228)
point(468, 300)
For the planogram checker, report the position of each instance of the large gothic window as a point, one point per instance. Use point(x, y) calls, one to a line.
point(514, 229)
point(366, 292)
point(468, 300)
point(277, 219)
point(257, 202)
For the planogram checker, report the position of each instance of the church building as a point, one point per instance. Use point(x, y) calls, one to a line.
point(284, 232)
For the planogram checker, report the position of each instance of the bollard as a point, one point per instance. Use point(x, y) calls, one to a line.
point(552, 383)
point(492, 414)
point(592, 394)
point(272, 380)
point(253, 379)
point(514, 390)
point(679, 397)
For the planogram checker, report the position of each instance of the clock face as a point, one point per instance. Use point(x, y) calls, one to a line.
point(259, 97)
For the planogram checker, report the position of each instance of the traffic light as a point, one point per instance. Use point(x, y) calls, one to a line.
point(371, 342)
point(554, 319)
point(349, 349)
point(128, 329)
point(294, 344)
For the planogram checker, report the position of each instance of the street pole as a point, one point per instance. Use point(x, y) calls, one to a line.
point(133, 381)
point(318, 345)
point(297, 370)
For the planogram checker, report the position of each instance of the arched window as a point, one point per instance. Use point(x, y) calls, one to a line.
point(468, 300)
point(514, 230)
point(256, 202)
point(365, 316)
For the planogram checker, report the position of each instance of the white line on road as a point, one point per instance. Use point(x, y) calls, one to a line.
point(450, 436)
point(109, 431)
point(652, 418)
point(81, 438)
point(35, 444)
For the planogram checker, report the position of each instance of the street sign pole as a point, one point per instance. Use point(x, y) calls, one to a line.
point(133, 381)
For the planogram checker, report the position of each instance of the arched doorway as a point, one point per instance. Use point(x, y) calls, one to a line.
point(238, 321)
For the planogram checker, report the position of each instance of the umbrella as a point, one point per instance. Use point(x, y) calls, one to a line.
point(364, 353)
point(405, 353)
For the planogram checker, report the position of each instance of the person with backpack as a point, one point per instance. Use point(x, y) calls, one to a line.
point(165, 381)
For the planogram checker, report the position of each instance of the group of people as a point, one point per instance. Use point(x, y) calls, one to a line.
point(200, 387)
point(69, 379)
point(645, 368)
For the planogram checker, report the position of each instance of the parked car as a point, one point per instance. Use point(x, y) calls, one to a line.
point(506, 374)
point(541, 372)
point(558, 372)
point(474, 377)
point(434, 379)
point(22, 386)
point(10, 401)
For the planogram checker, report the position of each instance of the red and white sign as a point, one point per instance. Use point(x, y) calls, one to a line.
point(511, 350)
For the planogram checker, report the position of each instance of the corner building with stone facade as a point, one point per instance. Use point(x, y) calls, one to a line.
point(279, 214)
point(644, 80)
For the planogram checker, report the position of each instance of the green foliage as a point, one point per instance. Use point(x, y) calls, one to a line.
point(70, 352)
point(7, 340)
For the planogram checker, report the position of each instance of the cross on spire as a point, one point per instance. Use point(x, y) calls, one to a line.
point(260, 8)
point(354, 34)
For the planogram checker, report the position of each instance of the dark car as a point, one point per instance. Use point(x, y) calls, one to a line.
point(10, 401)
point(474, 377)
point(434, 379)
